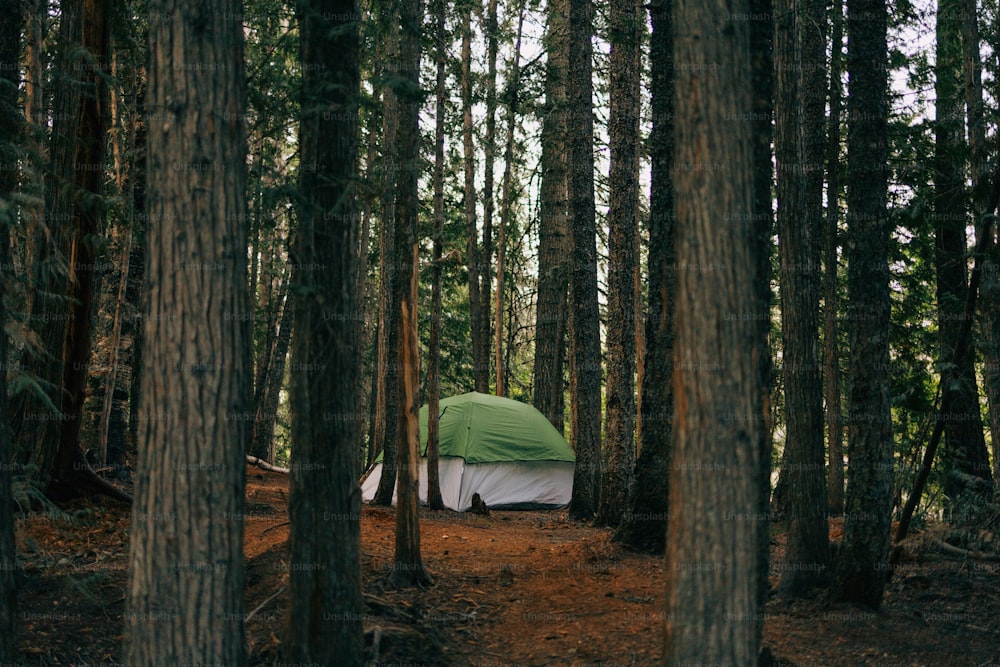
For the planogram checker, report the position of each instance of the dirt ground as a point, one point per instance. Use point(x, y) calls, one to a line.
point(514, 588)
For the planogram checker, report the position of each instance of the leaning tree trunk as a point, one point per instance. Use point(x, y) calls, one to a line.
point(644, 524)
point(324, 620)
point(623, 126)
point(553, 227)
point(11, 135)
point(861, 571)
point(186, 571)
point(714, 532)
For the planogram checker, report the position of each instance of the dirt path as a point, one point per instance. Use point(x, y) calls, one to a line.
point(517, 588)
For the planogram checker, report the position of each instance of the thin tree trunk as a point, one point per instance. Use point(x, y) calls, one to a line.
point(387, 392)
point(644, 525)
point(717, 454)
point(266, 401)
point(506, 197)
point(491, 30)
point(186, 571)
point(116, 339)
point(12, 136)
point(553, 227)
point(324, 620)
point(480, 344)
point(585, 369)
point(861, 571)
point(623, 127)
point(408, 567)
point(434, 499)
point(831, 301)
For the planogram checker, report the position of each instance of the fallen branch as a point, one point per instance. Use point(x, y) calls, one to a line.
point(266, 602)
point(261, 463)
point(952, 550)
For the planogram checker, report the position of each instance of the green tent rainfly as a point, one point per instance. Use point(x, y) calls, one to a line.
point(502, 449)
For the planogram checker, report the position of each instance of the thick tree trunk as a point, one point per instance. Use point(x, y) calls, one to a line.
point(623, 127)
point(186, 572)
point(831, 286)
point(644, 524)
point(480, 340)
point(861, 570)
point(714, 532)
point(12, 134)
point(800, 52)
point(964, 445)
point(585, 368)
point(324, 620)
point(408, 567)
point(553, 227)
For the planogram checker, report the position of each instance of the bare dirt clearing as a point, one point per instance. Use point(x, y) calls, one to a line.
point(515, 588)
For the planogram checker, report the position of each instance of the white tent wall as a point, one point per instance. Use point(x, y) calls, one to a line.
point(541, 483)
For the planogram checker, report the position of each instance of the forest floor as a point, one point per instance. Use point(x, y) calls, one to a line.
point(514, 588)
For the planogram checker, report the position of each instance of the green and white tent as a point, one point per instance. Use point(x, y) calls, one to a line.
point(504, 450)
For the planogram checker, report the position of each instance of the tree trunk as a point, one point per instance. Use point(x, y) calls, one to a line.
point(186, 572)
point(12, 134)
point(861, 574)
point(800, 52)
point(831, 290)
point(434, 499)
point(506, 198)
point(491, 30)
point(964, 445)
point(553, 227)
point(973, 71)
point(585, 369)
point(480, 342)
point(623, 127)
point(324, 620)
point(387, 379)
point(762, 214)
point(408, 567)
point(644, 525)
point(714, 530)
point(266, 402)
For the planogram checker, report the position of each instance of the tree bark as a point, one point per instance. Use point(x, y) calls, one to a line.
point(324, 620)
point(714, 530)
point(408, 567)
point(623, 127)
point(553, 226)
point(434, 499)
point(800, 52)
point(480, 341)
point(585, 368)
point(831, 287)
point(964, 445)
point(490, 30)
point(12, 137)
point(186, 571)
point(861, 571)
point(506, 197)
point(387, 379)
point(644, 524)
